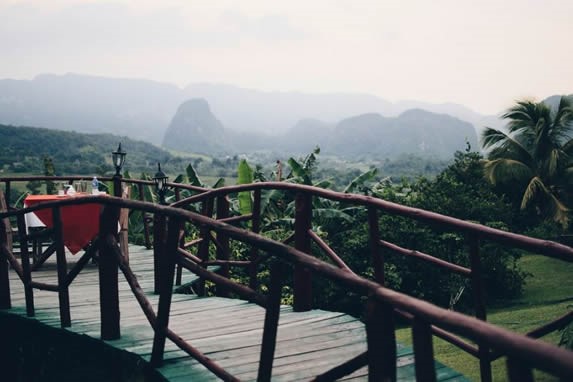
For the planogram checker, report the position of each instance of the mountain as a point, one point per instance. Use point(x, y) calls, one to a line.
point(195, 129)
point(143, 109)
point(414, 131)
point(275, 112)
point(140, 109)
point(305, 135)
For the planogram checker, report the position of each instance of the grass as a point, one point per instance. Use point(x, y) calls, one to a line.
point(548, 294)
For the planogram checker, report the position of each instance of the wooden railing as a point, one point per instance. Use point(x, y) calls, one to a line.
point(171, 249)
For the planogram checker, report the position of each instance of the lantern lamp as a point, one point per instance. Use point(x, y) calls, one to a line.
point(160, 180)
point(118, 158)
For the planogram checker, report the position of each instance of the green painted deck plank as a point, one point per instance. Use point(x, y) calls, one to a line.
point(228, 331)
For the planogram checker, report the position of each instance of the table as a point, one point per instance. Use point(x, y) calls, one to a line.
point(80, 223)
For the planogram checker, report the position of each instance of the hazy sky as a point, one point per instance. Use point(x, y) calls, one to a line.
point(482, 53)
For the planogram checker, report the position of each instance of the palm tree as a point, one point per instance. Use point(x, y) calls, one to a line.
point(535, 156)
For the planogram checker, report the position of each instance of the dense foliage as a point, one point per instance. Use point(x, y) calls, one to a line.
point(533, 162)
point(459, 191)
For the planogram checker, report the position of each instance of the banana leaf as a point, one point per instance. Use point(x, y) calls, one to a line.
point(193, 177)
point(245, 176)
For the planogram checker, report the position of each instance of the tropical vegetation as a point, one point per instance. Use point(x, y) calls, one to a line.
point(533, 160)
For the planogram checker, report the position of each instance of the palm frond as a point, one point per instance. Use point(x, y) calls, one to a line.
point(532, 190)
point(554, 161)
point(563, 120)
point(524, 115)
point(567, 148)
point(567, 176)
point(554, 208)
point(502, 145)
point(506, 170)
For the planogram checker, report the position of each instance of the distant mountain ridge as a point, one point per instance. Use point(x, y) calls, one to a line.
point(195, 128)
point(140, 109)
point(143, 109)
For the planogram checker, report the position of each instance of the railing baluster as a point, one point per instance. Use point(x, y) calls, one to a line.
point(223, 240)
point(5, 302)
point(167, 276)
point(479, 305)
point(381, 340)
point(377, 256)
point(203, 250)
point(159, 222)
point(141, 190)
point(7, 194)
point(256, 226)
point(271, 323)
point(26, 272)
point(63, 291)
point(108, 271)
point(423, 351)
point(302, 241)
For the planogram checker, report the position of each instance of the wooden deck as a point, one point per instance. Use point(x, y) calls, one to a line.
point(228, 331)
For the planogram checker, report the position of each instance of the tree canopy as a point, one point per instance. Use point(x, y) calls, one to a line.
point(533, 159)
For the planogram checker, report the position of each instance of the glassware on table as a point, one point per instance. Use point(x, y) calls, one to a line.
point(80, 186)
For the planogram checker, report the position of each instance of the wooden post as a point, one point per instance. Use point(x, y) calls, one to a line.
point(479, 305)
point(63, 292)
point(179, 268)
point(26, 272)
point(159, 222)
point(376, 253)
point(108, 269)
point(117, 191)
point(302, 241)
point(140, 189)
point(423, 351)
point(203, 250)
point(223, 248)
point(167, 276)
point(256, 227)
point(381, 341)
point(5, 302)
point(271, 323)
point(7, 193)
point(124, 226)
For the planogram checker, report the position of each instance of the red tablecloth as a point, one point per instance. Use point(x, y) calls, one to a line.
point(80, 223)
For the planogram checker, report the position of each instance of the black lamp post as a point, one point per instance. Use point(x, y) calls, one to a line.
point(118, 158)
point(160, 180)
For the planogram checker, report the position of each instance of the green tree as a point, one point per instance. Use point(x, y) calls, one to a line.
point(534, 156)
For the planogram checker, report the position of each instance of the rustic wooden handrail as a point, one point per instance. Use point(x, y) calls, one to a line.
point(546, 247)
point(521, 349)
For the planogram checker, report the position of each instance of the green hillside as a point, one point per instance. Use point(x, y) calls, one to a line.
point(23, 150)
